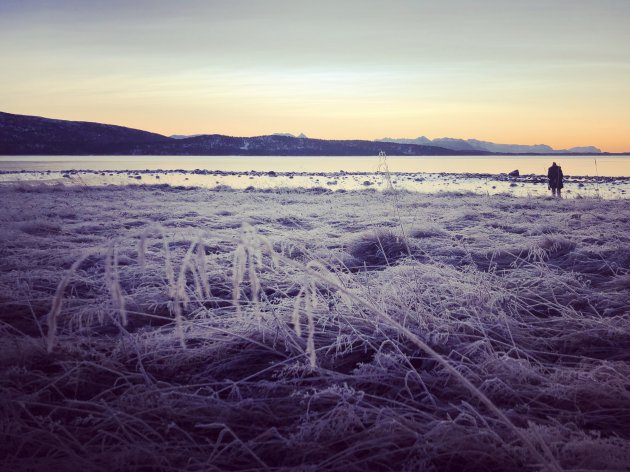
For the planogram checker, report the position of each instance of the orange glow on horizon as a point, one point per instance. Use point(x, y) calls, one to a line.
point(519, 74)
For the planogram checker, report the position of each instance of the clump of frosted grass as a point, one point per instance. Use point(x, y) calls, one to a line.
point(377, 248)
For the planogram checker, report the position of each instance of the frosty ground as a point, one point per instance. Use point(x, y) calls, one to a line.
point(153, 327)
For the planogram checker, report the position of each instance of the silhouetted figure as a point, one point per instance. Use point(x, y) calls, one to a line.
point(555, 179)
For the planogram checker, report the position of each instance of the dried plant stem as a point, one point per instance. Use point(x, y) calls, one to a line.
point(52, 317)
point(180, 297)
point(112, 281)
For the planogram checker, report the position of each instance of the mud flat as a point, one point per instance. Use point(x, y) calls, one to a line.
point(160, 327)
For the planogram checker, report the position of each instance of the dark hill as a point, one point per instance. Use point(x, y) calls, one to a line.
point(275, 145)
point(24, 135)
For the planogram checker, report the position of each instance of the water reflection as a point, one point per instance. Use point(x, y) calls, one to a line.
point(611, 166)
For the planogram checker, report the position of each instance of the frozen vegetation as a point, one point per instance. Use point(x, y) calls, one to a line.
point(150, 327)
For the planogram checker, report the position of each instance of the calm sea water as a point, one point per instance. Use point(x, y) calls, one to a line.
point(611, 166)
point(423, 174)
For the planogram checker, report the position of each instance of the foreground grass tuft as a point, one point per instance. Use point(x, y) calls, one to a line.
point(377, 248)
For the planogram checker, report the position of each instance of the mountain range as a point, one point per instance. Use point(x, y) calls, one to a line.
point(33, 135)
point(476, 145)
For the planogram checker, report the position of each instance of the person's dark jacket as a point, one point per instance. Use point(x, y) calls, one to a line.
point(555, 176)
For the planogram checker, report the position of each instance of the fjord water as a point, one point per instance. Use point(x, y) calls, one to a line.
point(603, 166)
point(420, 174)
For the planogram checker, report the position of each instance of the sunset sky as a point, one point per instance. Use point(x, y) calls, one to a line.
point(518, 71)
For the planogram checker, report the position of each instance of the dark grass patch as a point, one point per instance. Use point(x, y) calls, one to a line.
point(376, 249)
point(556, 247)
point(91, 229)
point(424, 233)
point(500, 259)
point(134, 224)
point(41, 228)
point(293, 222)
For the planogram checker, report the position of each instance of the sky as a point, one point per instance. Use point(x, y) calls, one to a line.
point(520, 71)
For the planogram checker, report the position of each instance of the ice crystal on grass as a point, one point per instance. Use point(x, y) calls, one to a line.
point(295, 361)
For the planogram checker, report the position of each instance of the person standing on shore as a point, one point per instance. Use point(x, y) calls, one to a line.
point(555, 179)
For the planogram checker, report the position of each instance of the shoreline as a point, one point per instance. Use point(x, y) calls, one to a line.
point(421, 182)
point(463, 175)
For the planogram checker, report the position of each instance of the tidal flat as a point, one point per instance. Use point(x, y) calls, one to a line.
point(153, 327)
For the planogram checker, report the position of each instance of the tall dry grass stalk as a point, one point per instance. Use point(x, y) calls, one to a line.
point(52, 318)
point(308, 300)
point(246, 261)
point(383, 167)
point(180, 293)
point(112, 281)
point(145, 236)
point(201, 265)
point(194, 263)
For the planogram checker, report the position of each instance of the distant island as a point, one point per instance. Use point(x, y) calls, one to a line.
point(33, 135)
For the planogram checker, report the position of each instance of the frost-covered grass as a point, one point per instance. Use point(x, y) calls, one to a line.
point(303, 330)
